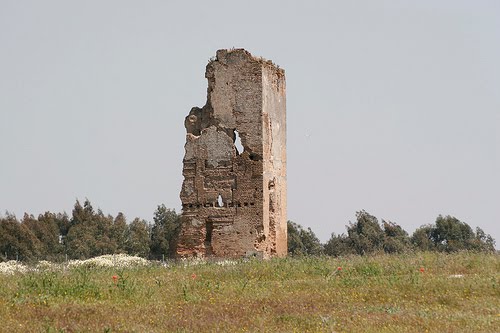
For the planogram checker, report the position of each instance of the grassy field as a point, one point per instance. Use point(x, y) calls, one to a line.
point(425, 292)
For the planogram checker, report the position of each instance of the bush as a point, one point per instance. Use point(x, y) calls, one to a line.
point(338, 245)
point(396, 239)
point(367, 236)
point(449, 234)
point(302, 241)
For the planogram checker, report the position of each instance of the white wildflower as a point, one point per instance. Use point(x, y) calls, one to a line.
point(12, 267)
point(226, 262)
point(110, 260)
point(187, 262)
point(456, 276)
point(46, 265)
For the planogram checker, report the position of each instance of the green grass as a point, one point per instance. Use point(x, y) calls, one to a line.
point(367, 294)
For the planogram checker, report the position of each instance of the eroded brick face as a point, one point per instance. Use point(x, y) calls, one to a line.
point(234, 198)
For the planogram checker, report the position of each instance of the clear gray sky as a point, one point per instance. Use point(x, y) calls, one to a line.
point(393, 106)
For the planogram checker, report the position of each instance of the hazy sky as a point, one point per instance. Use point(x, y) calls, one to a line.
point(392, 106)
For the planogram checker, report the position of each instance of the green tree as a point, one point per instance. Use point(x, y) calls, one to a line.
point(46, 230)
point(106, 243)
point(339, 245)
point(118, 233)
point(63, 223)
point(138, 240)
point(89, 234)
point(17, 241)
point(422, 238)
point(482, 242)
point(164, 232)
point(449, 234)
point(80, 241)
point(302, 241)
point(396, 240)
point(365, 235)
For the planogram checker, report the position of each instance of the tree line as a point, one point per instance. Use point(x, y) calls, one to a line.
point(366, 235)
point(88, 233)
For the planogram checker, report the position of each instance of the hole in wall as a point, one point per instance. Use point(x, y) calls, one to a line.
point(208, 236)
point(255, 157)
point(237, 143)
point(220, 203)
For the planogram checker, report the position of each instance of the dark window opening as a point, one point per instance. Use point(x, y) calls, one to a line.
point(255, 157)
point(208, 236)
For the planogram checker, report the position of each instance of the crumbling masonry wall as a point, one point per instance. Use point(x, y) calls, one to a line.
point(234, 200)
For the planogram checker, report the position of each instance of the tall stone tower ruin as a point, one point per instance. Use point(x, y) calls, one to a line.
point(234, 198)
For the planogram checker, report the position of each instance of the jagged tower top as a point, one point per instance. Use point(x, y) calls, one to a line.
point(227, 56)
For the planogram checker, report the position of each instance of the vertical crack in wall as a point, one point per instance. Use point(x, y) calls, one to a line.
point(235, 145)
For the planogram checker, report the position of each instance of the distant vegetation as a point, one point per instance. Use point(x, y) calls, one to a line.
point(89, 233)
point(86, 234)
point(368, 236)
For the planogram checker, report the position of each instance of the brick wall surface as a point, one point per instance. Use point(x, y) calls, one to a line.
point(234, 198)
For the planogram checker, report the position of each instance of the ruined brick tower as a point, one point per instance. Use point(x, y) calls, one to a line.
point(234, 199)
